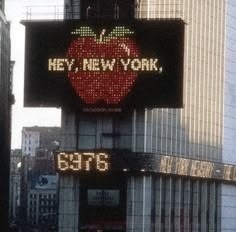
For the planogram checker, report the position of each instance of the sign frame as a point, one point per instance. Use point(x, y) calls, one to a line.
point(150, 89)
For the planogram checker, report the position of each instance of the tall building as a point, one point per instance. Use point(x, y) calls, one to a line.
point(5, 116)
point(203, 130)
point(146, 169)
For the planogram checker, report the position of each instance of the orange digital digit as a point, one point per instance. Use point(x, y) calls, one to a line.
point(62, 161)
point(77, 165)
point(102, 162)
point(82, 161)
point(88, 159)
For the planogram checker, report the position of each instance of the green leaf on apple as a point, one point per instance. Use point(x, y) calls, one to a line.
point(118, 31)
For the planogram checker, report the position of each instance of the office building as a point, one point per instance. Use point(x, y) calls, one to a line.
point(38, 145)
point(42, 203)
point(201, 130)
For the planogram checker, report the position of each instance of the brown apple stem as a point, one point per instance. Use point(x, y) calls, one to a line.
point(101, 35)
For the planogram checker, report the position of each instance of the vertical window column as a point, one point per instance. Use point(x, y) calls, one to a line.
point(204, 203)
point(212, 206)
point(187, 188)
point(177, 206)
point(168, 199)
point(196, 206)
point(158, 203)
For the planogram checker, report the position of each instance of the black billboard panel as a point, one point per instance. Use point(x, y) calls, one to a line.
point(104, 64)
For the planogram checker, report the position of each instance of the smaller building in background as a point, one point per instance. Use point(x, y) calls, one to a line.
point(38, 178)
point(15, 175)
point(30, 141)
point(42, 204)
point(35, 138)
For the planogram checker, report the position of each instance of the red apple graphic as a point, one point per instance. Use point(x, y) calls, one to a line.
point(99, 85)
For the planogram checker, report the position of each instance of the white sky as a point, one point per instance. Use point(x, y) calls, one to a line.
point(15, 11)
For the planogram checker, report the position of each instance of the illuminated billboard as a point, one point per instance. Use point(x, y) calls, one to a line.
point(113, 64)
point(130, 162)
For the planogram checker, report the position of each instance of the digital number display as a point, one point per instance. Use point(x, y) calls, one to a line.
point(103, 64)
point(131, 162)
point(82, 161)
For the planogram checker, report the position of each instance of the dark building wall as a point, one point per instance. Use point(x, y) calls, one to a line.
point(2, 5)
point(14, 189)
point(5, 119)
point(48, 135)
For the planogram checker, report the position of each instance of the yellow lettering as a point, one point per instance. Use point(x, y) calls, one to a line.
point(145, 65)
point(227, 172)
point(60, 65)
point(69, 63)
point(166, 164)
point(108, 64)
point(136, 64)
point(87, 65)
point(52, 64)
point(88, 160)
point(153, 65)
point(125, 64)
point(181, 166)
point(102, 162)
point(207, 169)
point(234, 174)
point(194, 168)
point(62, 161)
point(76, 162)
point(95, 65)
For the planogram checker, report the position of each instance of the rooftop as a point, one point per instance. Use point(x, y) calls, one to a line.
point(47, 12)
